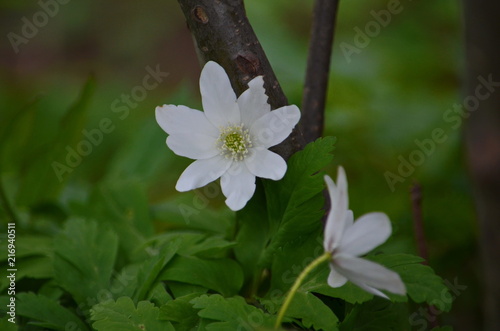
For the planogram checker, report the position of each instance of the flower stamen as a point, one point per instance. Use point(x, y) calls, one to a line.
point(234, 142)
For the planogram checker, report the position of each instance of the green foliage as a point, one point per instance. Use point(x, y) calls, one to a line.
point(48, 313)
point(81, 265)
point(222, 275)
point(376, 315)
point(181, 313)
point(312, 312)
point(5, 325)
point(149, 272)
point(295, 203)
point(231, 313)
point(122, 314)
point(120, 274)
point(40, 184)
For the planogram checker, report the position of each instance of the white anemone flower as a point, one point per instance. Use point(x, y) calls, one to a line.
point(346, 240)
point(230, 138)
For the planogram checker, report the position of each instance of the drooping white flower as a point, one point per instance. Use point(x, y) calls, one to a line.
point(230, 138)
point(346, 240)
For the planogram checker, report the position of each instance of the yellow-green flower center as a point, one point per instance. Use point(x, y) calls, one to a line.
point(234, 142)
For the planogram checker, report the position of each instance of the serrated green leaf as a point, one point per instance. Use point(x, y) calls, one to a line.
point(295, 203)
point(47, 313)
point(159, 295)
point(181, 312)
point(125, 281)
point(312, 312)
point(122, 315)
point(222, 275)
point(422, 284)
point(232, 313)
point(148, 274)
point(85, 254)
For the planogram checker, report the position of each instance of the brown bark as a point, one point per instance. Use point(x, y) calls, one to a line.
point(318, 68)
point(482, 134)
point(223, 34)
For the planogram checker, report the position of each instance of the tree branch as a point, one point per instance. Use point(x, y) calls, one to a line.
point(482, 141)
point(318, 68)
point(223, 34)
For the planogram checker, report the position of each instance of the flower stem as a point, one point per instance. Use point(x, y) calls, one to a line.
point(325, 257)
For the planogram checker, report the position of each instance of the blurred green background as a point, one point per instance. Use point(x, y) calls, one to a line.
point(76, 68)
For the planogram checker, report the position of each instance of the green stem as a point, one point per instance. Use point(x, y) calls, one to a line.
point(325, 257)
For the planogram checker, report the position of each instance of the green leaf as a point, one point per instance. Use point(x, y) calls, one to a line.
point(125, 281)
point(192, 244)
point(295, 203)
point(5, 325)
point(233, 313)
point(222, 275)
point(85, 254)
point(29, 245)
point(42, 181)
point(159, 295)
point(376, 315)
point(190, 211)
point(124, 206)
point(253, 235)
point(122, 315)
point(422, 284)
point(313, 312)
point(148, 274)
point(181, 312)
point(179, 289)
point(47, 313)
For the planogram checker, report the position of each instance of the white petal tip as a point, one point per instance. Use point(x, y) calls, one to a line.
point(235, 205)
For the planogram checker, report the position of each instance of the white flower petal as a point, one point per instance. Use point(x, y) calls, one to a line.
point(181, 119)
point(238, 185)
point(373, 290)
point(369, 231)
point(217, 96)
point(201, 172)
point(266, 164)
point(253, 102)
point(349, 220)
point(335, 279)
point(361, 271)
point(193, 145)
point(275, 126)
point(338, 215)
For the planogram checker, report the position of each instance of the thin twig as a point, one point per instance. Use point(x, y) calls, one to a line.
point(418, 225)
point(318, 68)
